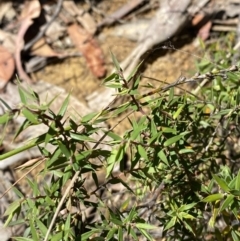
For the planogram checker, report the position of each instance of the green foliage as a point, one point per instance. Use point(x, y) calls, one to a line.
point(182, 170)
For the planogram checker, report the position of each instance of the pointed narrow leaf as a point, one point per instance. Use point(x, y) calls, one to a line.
point(213, 197)
point(120, 234)
point(146, 234)
point(163, 157)
point(88, 234)
point(134, 71)
point(4, 118)
point(24, 125)
point(145, 226)
point(64, 106)
point(172, 140)
point(23, 239)
point(111, 233)
point(187, 207)
point(30, 116)
point(6, 105)
point(110, 77)
point(221, 183)
point(237, 183)
point(64, 149)
point(226, 202)
point(115, 62)
point(171, 223)
point(177, 113)
point(22, 95)
point(89, 117)
point(142, 152)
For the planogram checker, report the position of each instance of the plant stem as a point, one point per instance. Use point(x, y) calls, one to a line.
point(34, 142)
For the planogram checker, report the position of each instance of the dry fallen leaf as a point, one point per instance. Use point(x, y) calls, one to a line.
point(204, 30)
point(41, 48)
point(7, 66)
point(89, 48)
point(31, 10)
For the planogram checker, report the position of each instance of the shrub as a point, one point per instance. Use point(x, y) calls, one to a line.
point(182, 179)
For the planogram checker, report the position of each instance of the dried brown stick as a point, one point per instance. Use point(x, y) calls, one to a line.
point(124, 10)
point(169, 19)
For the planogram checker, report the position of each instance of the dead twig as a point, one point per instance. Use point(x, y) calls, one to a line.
point(124, 10)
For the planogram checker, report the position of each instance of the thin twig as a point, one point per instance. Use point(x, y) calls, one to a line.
point(15, 183)
point(61, 203)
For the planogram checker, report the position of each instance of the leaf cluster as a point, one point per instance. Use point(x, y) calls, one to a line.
point(182, 165)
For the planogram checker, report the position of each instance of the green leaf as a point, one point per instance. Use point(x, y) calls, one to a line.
point(27, 95)
point(146, 234)
point(114, 85)
point(179, 110)
point(58, 236)
point(120, 234)
point(30, 116)
point(172, 140)
point(111, 233)
point(163, 157)
point(24, 126)
point(184, 215)
point(213, 197)
point(187, 207)
point(169, 130)
point(22, 239)
point(235, 236)
point(142, 152)
point(133, 73)
point(64, 149)
point(186, 150)
point(11, 210)
point(50, 133)
point(89, 117)
point(136, 81)
point(171, 223)
point(226, 202)
point(171, 94)
point(67, 224)
point(5, 118)
point(12, 207)
point(237, 183)
point(110, 77)
point(131, 216)
point(33, 230)
point(111, 161)
point(88, 234)
point(236, 193)
point(114, 136)
point(145, 226)
point(5, 104)
point(115, 62)
point(221, 183)
point(116, 221)
point(22, 95)
point(133, 234)
point(64, 106)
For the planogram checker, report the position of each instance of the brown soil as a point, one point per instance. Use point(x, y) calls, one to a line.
point(167, 65)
